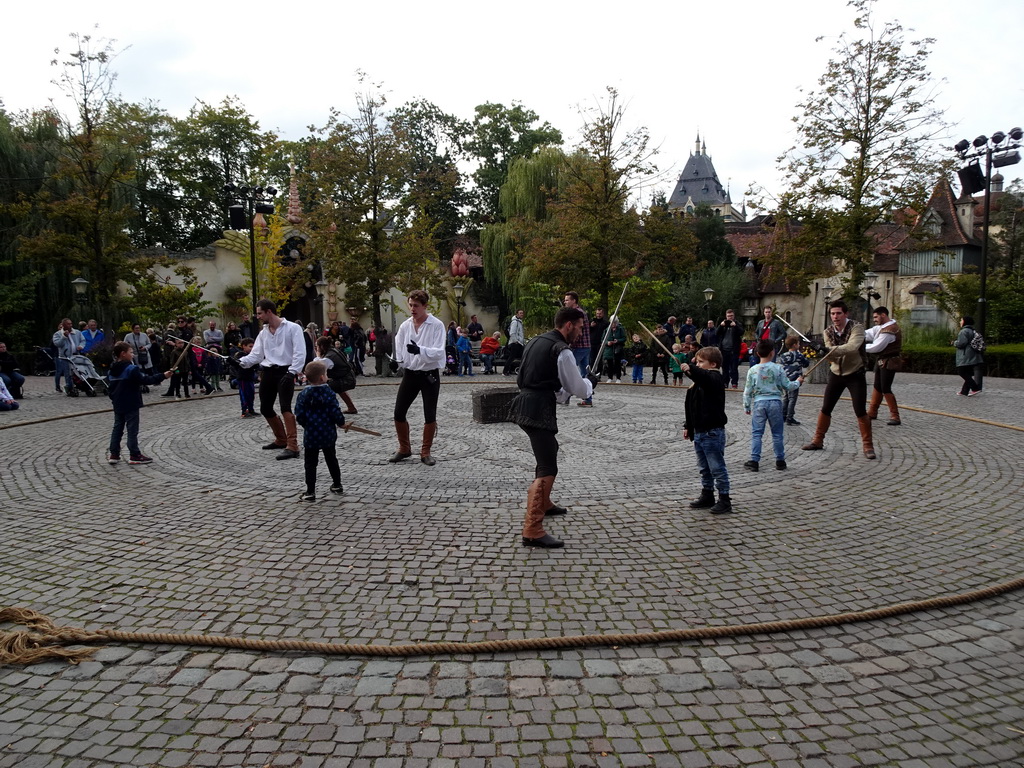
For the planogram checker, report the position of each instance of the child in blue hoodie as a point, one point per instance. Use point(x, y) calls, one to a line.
point(124, 386)
point(317, 410)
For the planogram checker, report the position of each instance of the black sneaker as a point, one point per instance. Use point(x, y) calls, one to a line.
point(780, 464)
point(752, 465)
point(337, 489)
point(114, 458)
point(308, 496)
point(138, 458)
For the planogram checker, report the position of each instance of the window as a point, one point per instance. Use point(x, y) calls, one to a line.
point(923, 300)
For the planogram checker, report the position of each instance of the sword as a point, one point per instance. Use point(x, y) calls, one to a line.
point(656, 339)
point(797, 332)
point(350, 426)
point(218, 354)
point(608, 330)
point(824, 357)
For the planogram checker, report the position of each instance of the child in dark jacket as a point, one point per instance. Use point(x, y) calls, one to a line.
point(124, 385)
point(317, 410)
point(704, 423)
point(637, 357)
point(246, 378)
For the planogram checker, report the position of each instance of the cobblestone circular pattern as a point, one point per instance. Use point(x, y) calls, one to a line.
point(212, 538)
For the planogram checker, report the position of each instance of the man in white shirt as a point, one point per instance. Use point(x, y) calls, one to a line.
point(884, 339)
point(419, 348)
point(280, 351)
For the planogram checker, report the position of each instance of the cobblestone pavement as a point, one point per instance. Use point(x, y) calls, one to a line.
point(212, 538)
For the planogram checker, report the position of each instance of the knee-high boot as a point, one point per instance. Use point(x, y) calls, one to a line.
point(550, 508)
point(277, 427)
point(429, 430)
point(533, 526)
point(864, 422)
point(404, 451)
point(818, 441)
point(876, 400)
point(894, 410)
point(291, 431)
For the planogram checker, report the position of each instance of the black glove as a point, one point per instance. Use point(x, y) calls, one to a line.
point(393, 366)
point(593, 378)
point(413, 348)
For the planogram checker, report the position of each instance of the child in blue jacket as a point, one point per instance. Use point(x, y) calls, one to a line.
point(124, 386)
point(317, 410)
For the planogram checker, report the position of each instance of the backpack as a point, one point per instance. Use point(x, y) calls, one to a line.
point(978, 342)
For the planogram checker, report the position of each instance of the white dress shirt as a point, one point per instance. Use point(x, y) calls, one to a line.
point(878, 338)
point(285, 346)
point(430, 338)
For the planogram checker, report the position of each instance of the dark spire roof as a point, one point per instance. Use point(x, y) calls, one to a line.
point(698, 183)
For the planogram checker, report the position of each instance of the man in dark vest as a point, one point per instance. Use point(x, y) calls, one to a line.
point(548, 375)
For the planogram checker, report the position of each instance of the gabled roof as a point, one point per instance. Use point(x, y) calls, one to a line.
point(941, 208)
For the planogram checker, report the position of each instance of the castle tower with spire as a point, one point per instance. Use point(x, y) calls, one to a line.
point(698, 183)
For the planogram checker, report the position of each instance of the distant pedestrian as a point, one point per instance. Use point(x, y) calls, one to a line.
point(969, 359)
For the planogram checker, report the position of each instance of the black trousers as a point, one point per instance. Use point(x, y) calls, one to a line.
point(276, 385)
point(856, 383)
point(883, 380)
point(513, 354)
point(425, 383)
point(545, 450)
point(311, 457)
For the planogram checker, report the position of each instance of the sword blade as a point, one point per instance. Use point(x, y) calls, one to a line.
point(607, 332)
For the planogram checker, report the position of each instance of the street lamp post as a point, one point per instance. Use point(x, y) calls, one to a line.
point(241, 217)
point(81, 287)
point(829, 292)
point(972, 181)
point(459, 288)
point(709, 295)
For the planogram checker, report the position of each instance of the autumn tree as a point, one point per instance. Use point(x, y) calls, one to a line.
point(498, 136)
point(866, 142)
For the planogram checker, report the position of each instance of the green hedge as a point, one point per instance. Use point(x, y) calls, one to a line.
point(1006, 360)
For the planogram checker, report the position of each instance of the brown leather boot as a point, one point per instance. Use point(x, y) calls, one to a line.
point(280, 438)
point(291, 432)
point(550, 509)
point(429, 430)
point(533, 526)
point(876, 400)
point(894, 411)
point(864, 422)
point(404, 451)
point(818, 441)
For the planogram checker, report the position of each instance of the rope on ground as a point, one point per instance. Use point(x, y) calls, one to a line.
point(44, 640)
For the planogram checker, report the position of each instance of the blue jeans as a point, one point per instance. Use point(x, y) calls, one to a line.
point(488, 361)
point(710, 449)
point(13, 380)
point(63, 369)
point(770, 412)
point(122, 420)
point(465, 363)
point(638, 373)
point(789, 403)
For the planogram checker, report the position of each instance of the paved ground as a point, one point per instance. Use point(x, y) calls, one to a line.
point(211, 538)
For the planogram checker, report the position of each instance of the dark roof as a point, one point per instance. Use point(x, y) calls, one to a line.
point(928, 286)
point(698, 182)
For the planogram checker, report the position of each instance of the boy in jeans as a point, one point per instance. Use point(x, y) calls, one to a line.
point(246, 378)
point(793, 362)
point(762, 396)
point(317, 410)
point(124, 385)
point(704, 423)
point(637, 356)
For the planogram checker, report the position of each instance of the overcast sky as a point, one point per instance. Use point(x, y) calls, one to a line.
point(730, 71)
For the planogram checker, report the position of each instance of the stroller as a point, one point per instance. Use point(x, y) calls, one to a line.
point(85, 377)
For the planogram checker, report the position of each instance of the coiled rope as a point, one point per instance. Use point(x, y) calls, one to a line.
point(44, 640)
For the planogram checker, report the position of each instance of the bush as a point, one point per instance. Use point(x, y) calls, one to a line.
point(1006, 360)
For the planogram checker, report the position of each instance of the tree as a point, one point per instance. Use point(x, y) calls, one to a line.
point(865, 142)
point(709, 229)
point(1007, 230)
point(358, 176)
point(729, 283)
point(83, 202)
point(499, 135)
point(591, 237)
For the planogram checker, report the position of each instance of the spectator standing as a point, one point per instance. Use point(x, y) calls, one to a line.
point(232, 338)
point(213, 336)
point(357, 341)
point(613, 350)
point(246, 378)
point(465, 348)
point(637, 358)
point(659, 357)
point(709, 336)
point(770, 329)
point(69, 341)
point(968, 359)
point(730, 340)
point(793, 362)
point(671, 332)
point(140, 344)
point(516, 342)
point(476, 331)
point(93, 336)
point(687, 329)
point(125, 389)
